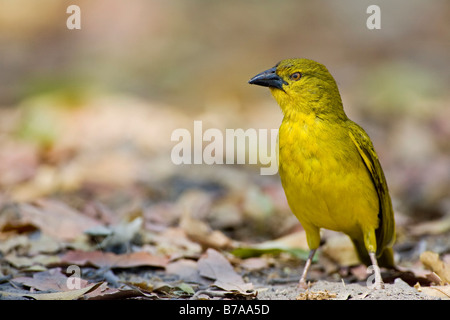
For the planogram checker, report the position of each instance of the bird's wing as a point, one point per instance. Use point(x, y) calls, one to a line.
point(385, 233)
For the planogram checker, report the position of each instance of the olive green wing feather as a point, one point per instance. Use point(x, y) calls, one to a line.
point(385, 233)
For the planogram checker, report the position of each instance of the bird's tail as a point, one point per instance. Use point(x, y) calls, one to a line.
point(385, 259)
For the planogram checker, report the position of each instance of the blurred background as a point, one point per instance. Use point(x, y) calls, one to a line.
point(87, 115)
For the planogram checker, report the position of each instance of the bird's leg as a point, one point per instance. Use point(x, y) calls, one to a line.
point(378, 280)
point(302, 284)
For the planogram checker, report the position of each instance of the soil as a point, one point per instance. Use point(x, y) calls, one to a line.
point(325, 290)
point(277, 284)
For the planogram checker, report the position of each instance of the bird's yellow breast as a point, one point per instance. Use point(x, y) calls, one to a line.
point(326, 182)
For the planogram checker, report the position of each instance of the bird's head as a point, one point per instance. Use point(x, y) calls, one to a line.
point(301, 85)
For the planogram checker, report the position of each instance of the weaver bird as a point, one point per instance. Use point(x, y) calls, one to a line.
point(328, 166)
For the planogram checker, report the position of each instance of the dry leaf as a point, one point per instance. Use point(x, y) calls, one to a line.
point(44, 244)
point(55, 219)
point(51, 279)
point(108, 259)
point(63, 295)
point(215, 266)
point(200, 232)
point(174, 241)
point(117, 294)
point(105, 293)
point(186, 269)
point(13, 242)
point(432, 262)
point(435, 291)
point(25, 262)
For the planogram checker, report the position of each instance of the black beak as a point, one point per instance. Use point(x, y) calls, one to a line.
point(268, 78)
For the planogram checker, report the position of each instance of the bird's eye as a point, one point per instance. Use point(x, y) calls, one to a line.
point(295, 76)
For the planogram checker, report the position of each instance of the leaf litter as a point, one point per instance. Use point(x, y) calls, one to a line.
point(138, 227)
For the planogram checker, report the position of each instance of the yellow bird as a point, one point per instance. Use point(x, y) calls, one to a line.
point(328, 166)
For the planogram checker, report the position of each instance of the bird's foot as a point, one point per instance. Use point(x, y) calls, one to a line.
point(302, 285)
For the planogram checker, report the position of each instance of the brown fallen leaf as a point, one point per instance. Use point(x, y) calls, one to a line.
point(202, 233)
point(215, 266)
point(442, 292)
point(51, 279)
point(54, 219)
point(13, 242)
point(116, 294)
point(103, 292)
point(156, 285)
point(63, 295)
point(432, 262)
point(44, 244)
point(108, 259)
point(174, 242)
point(185, 269)
point(25, 262)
